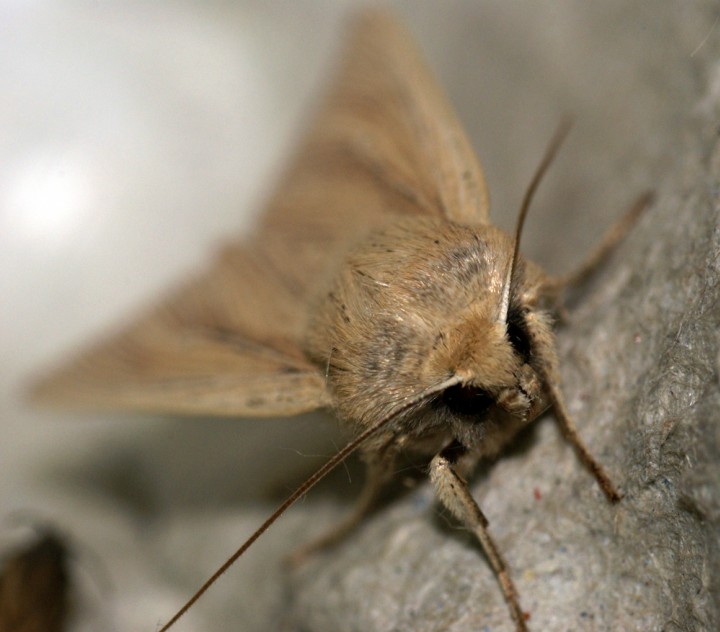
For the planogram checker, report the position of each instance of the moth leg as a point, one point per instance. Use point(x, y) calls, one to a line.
point(567, 426)
point(547, 365)
point(452, 491)
point(616, 233)
point(379, 471)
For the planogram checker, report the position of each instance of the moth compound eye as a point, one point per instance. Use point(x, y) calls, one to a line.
point(517, 334)
point(467, 401)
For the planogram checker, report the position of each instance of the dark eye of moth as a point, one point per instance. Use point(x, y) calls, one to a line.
point(467, 401)
point(517, 333)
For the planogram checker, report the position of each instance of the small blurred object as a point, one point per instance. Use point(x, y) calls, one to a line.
point(34, 586)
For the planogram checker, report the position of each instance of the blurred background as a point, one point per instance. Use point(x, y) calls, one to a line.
point(135, 137)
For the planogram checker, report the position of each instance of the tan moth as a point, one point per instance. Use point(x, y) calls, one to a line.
point(373, 286)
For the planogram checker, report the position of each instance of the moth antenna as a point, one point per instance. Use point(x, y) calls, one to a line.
point(338, 458)
point(552, 149)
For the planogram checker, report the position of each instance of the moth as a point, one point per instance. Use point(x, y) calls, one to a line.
point(374, 286)
point(34, 586)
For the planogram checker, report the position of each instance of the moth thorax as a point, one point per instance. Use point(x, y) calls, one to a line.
point(416, 303)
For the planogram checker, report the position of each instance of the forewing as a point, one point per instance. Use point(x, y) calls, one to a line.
point(224, 344)
point(385, 143)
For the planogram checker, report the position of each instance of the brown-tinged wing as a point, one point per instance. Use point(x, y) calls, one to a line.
point(225, 344)
point(386, 142)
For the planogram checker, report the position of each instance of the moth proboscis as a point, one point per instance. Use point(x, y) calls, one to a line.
point(375, 286)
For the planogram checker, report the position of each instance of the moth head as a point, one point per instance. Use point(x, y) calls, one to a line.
point(497, 363)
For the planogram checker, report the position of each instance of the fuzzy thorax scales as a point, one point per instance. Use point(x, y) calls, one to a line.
point(417, 303)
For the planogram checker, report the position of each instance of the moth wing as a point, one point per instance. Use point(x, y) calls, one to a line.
point(230, 343)
point(224, 344)
point(386, 142)
point(219, 382)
